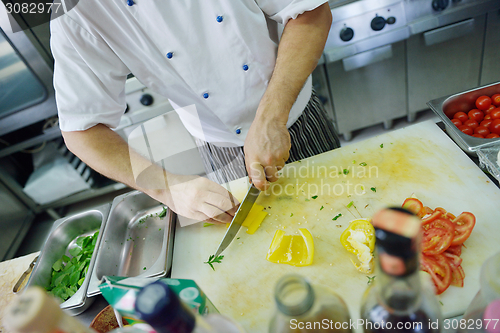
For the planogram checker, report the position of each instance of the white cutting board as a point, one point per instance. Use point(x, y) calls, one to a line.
point(419, 159)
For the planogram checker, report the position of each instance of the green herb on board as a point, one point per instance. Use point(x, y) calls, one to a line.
point(206, 224)
point(374, 189)
point(381, 145)
point(353, 161)
point(291, 214)
point(346, 171)
point(213, 259)
point(337, 216)
point(371, 279)
point(144, 269)
point(350, 204)
point(321, 208)
point(363, 164)
point(307, 199)
point(314, 197)
point(441, 303)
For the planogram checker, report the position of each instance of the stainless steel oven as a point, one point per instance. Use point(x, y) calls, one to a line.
point(26, 69)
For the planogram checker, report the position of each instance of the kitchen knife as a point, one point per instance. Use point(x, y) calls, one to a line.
point(239, 217)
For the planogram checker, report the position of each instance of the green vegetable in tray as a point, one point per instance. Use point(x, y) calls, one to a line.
point(68, 273)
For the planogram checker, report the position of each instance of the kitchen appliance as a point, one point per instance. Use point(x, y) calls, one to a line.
point(238, 219)
point(26, 69)
point(438, 172)
point(384, 59)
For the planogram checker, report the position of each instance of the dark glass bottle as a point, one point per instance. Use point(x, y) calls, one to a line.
point(396, 301)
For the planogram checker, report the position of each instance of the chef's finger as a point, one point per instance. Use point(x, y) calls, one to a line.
point(271, 173)
point(222, 191)
point(257, 175)
point(215, 213)
point(221, 201)
point(210, 220)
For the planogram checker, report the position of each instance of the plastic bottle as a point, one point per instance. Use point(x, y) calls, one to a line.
point(302, 307)
point(396, 301)
point(161, 308)
point(483, 313)
point(34, 311)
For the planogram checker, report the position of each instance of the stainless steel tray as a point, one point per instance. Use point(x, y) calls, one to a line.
point(136, 242)
point(446, 107)
point(63, 237)
point(488, 157)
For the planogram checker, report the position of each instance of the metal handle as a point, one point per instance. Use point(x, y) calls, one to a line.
point(367, 58)
point(449, 32)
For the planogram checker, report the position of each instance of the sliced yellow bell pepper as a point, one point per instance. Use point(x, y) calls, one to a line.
point(256, 222)
point(359, 239)
point(292, 250)
point(254, 218)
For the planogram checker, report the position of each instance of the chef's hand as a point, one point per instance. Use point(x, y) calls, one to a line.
point(267, 148)
point(201, 199)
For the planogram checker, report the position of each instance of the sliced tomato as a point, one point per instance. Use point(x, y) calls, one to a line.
point(415, 206)
point(453, 259)
point(435, 215)
point(457, 276)
point(463, 223)
point(454, 249)
point(428, 210)
point(438, 236)
point(439, 270)
point(442, 210)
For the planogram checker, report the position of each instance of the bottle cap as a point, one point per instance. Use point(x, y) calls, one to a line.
point(34, 311)
point(492, 314)
point(398, 237)
point(161, 308)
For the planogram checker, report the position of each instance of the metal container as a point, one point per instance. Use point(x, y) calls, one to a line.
point(62, 237)
point(446, 107)
point(489, 158)
point(136, 241)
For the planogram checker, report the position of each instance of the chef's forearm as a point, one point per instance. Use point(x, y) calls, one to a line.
point(300, 48)
point(107, 153)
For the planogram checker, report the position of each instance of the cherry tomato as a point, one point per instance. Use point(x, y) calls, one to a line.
point(491, 108)
point(486, 123)
point(494, 126)
point(467, 129)
point(464, 223)
point(492, 136)
point(495, 99)
point(471, 123)
point(483, 102)
point(487, 117)
point(462, 116)
point(476, 115)
point(495, 114)
point(478, 136)
point(481, 130)
point(438, 236)
point(439, 269)
point(457, 122)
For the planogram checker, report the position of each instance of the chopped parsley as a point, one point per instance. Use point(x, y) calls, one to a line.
point(381, 145)
point(346, 171)
point(314, 197)
point(213, 259)
point(350, 204)
point(206, 224)
point(291, 214)
point(321, 208)
point(163, 213)
point(371, 279)
point(336, 217)
point(362, 164)
point(374, 189)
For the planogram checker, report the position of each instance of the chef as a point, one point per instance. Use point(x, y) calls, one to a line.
point(254, 107)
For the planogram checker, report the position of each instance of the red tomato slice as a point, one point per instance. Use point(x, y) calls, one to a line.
point(454, 249)
point(439, 269)
point(428, 210)
point(415, 206)
point(457, 276)
point(464, 223)
point(454, 260)
point(438, 237)
point(435, 215)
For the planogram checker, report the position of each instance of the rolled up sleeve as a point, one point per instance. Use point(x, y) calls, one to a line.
point(89, 78)
point(283, 10)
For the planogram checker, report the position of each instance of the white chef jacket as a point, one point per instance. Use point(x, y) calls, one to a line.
point(216, 54)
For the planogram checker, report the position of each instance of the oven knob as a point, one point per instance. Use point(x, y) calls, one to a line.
point(346, 34)
point(439, 5)
point(146, 100)
point(378, 23)
point(391, 20)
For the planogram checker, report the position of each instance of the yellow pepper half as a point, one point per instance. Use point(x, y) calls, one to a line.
point(359, 239)
point(292, 250)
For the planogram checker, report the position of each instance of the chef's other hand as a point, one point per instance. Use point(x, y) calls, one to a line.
point(267, 148)
point(201, 199)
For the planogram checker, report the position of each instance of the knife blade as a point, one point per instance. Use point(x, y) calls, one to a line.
point(239, 217)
